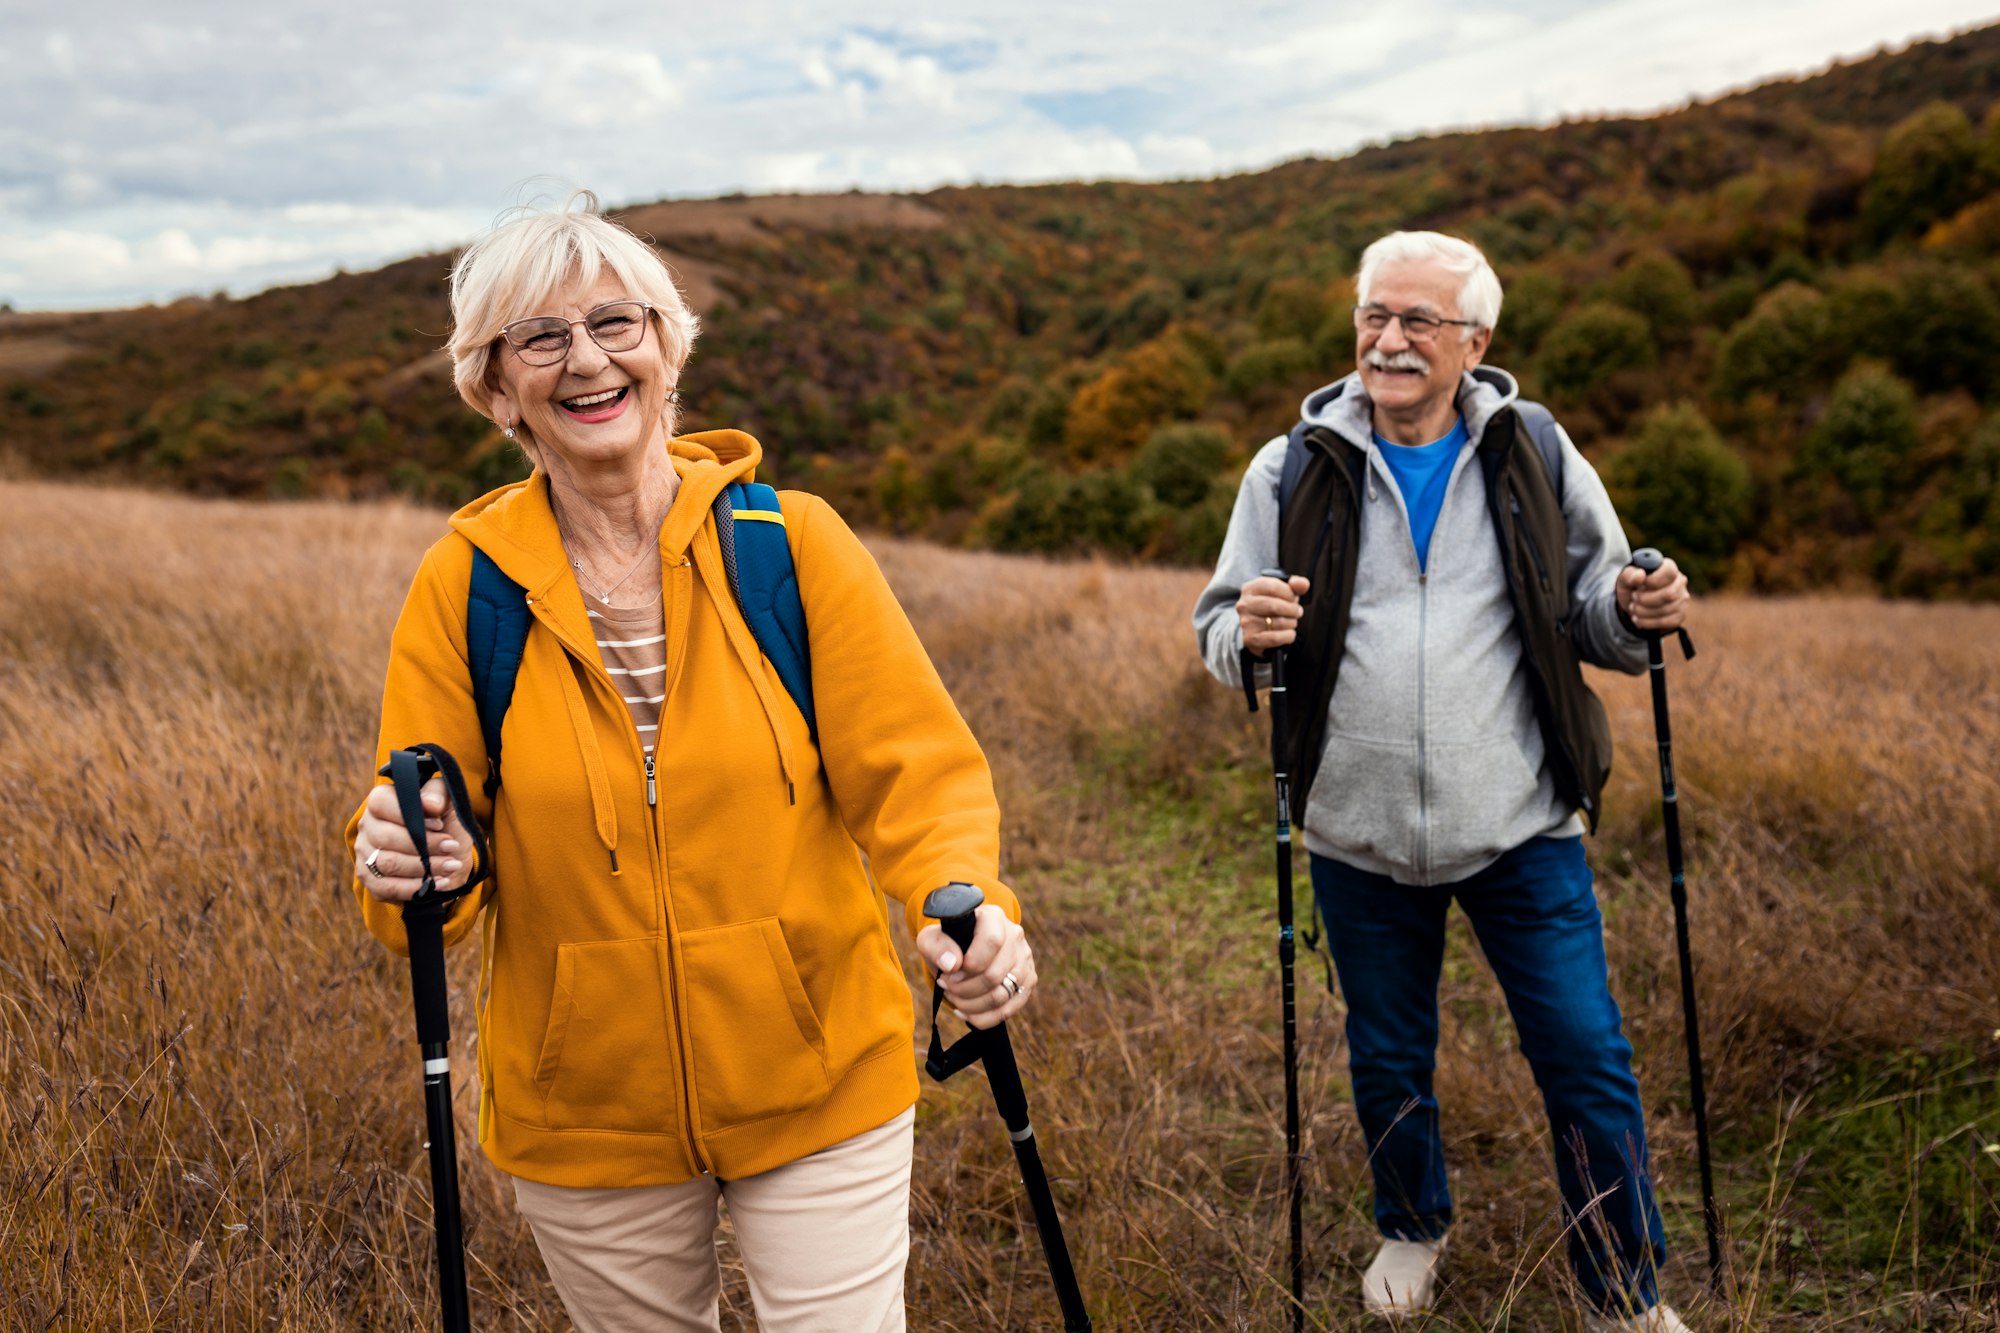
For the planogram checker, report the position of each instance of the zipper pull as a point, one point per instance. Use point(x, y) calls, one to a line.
point(651, 790)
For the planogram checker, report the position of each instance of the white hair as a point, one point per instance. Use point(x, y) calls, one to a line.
point(531, 260)
point(1479, 287)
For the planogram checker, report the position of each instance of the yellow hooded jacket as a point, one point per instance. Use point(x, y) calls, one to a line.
point(705, 981)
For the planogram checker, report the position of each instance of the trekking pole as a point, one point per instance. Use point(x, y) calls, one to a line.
point(1648, 560)
point(423, 921)
point(1281, 769)
point(953, 906)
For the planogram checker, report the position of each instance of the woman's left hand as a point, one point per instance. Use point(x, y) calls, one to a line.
point(977, 984)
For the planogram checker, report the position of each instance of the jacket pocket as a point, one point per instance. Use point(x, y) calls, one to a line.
point(1364, 799)
point(607, 1057)
point(1484, 799)
point(758, 1047)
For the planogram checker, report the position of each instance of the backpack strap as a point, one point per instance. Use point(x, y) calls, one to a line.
point(758, 556)
point(1296, 458)
point(1548, 438)
point(496, 631)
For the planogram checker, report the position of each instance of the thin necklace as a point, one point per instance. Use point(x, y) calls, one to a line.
point(582, 574)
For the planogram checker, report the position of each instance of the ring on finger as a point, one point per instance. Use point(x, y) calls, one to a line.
point(1012, 984)
point(373, 869)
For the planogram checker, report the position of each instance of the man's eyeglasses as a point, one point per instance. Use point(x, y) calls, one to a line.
point(617, 326)
point(1419, 326)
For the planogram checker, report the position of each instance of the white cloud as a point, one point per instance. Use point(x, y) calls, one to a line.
point(123, 256)
point(150, 150)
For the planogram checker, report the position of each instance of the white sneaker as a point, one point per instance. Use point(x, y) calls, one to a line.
point(1659, 1319)
point(1403, 1278)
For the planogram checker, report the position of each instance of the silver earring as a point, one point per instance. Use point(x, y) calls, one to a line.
point(508, 432)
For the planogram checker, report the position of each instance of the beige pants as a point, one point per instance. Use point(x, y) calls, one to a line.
point(824, 1241)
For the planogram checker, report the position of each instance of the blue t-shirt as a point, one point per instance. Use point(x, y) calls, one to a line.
point(1421, 471)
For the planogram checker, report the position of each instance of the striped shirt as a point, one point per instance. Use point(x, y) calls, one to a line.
point(633, 644)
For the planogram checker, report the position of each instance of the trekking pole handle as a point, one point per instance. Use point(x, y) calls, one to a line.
point(953, 906)
point(1646, 560)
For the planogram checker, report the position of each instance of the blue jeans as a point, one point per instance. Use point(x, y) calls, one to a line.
point(1536, 917)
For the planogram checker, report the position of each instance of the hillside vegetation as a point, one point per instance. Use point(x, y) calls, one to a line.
point(212, 1116)
point(1774, 320)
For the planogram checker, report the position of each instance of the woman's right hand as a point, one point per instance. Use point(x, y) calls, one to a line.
point(397, 873)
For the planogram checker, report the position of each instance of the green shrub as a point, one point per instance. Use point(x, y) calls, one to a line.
point(1178, 462)
point(1926, 170)
point(1268, 365)
point(1008, 407)
point(1193, 536)
point(1592, 345)
point(1782, 348)
point(1683, 490)
point(1658, 288)
point(1863, 314)
point(1101, 510)
point(1533, 302)
point(1869, 428)
point(1947, 329)
point(1292, 308)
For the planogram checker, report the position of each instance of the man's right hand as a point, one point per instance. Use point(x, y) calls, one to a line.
point(1269, 610)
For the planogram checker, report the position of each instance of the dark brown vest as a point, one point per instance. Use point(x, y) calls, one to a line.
point(1320, 536)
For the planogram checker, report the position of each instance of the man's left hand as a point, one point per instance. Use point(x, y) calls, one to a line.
point(1656, 602)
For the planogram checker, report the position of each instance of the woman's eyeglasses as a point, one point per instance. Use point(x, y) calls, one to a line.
point(543, 340)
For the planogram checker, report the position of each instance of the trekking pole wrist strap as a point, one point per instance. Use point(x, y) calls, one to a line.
point(409, 769)
point(943, 1061)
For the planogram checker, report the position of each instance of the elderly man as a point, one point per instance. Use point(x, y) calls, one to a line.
point(1451, 558)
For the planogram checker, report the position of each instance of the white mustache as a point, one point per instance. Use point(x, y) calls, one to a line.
point(1407, 359)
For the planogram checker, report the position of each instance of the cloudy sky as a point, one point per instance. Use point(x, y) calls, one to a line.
point(150, 149)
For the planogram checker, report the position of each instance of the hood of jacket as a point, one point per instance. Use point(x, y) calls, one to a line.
point(516, 527)
point(1343, 406)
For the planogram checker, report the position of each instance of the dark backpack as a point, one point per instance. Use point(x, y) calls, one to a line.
point(761, 577)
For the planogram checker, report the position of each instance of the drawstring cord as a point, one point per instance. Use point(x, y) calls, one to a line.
point(593, 765)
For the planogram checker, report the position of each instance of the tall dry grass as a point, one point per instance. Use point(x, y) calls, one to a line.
point(211, 1119)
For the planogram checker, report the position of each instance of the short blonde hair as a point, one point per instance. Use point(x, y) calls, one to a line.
point(531, 258)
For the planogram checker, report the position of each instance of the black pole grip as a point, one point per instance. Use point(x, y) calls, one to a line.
point(1647, 559)
point(953, 906)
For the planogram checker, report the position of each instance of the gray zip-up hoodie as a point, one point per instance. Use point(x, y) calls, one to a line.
point(1431, 765)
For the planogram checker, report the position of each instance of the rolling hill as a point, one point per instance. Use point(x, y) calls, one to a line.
point(1773, 320)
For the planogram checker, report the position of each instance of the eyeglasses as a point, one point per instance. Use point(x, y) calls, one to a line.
point(543, 340)
point(1418, 326)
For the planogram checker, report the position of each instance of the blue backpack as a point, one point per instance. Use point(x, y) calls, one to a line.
point(766, 587)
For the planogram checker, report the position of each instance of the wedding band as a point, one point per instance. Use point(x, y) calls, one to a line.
point(373, 869)
point(1270, 623)
point(1013, 986)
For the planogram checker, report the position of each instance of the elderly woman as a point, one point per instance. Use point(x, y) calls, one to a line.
point(690, 990)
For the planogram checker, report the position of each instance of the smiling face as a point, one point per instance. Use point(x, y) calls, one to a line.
point(1416, 383)
point(593, 406)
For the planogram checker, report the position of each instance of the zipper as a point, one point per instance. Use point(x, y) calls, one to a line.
point(593, 664)
point(1423, 742)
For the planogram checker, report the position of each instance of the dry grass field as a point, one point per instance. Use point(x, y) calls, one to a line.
point(209, 1106)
